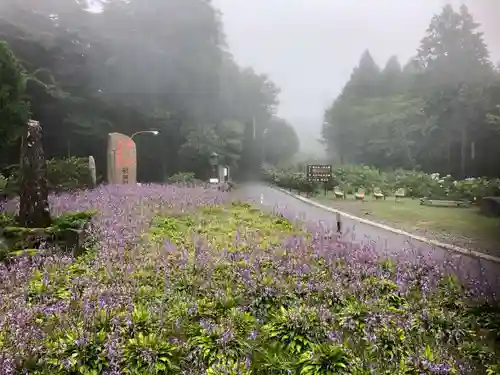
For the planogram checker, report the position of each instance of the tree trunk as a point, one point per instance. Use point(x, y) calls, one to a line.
point(463, 150)
point(449, 154)
point(34, 204)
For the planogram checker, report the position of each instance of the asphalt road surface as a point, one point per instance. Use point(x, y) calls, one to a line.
point(378, 239)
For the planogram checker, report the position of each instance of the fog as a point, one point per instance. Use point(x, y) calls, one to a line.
point(179, 68)
point(309, 48)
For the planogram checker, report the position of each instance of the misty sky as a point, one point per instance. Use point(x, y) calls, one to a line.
point(309, 47)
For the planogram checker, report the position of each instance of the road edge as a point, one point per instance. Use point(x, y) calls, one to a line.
point(449, 247)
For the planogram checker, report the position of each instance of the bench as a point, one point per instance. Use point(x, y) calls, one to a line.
point(444, 203)
point(360, 195)
point(399, 194)
point(338, 192)
point(377, 193)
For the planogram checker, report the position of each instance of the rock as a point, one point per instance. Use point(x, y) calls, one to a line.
point(490, 206)
point(74, 240)
point(92, 169)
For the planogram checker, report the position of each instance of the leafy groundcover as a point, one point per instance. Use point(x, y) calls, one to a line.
point(184, 282)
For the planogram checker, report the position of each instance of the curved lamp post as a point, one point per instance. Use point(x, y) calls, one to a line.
point(263, 150)
point(214, 160)
point(154, 132)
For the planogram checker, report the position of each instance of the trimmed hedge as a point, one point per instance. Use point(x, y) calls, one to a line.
point(350, 178)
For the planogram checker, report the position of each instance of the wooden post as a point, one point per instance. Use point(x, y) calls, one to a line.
point(34, 209)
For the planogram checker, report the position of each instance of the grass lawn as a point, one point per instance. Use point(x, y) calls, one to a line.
point(184, 281)
point(459, 226)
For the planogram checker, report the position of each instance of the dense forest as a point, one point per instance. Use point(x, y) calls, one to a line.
point(132, 66)
point(439, 113)
point(164, 65)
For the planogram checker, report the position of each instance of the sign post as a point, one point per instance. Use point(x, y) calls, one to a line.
point(214, 173)
point(323, 173)
point(319, 173)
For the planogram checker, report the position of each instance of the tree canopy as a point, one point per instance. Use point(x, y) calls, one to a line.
point(14, 110)
point(135, 65)
point(438, 113)
point(280, 143)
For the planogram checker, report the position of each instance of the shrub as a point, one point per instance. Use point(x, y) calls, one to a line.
point(354, 177)
point(182, 178)
point(417, 184)
point(62, 175)
point(3, 185)
point(475, 189)
point(68, 174)
point(290, 179)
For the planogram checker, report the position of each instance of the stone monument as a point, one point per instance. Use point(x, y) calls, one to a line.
point(93, 175)
point(34, 209)
point(121, 159)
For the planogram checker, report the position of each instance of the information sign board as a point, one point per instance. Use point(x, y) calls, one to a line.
point(319, 172)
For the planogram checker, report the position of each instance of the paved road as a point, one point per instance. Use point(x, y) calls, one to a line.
point(355, 232)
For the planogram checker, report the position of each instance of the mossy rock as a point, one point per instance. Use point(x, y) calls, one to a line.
point(67, 234)
point(24, 238)
point(66, 239)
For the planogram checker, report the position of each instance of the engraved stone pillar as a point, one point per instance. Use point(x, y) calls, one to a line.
point(34, 203)
point(122, 159)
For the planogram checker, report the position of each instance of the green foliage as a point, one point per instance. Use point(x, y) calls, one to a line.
point(14, 109)
point(63, 175)
point(68, 174)
point(6, 220)
point(476, 188)
point(3, 184)
point(182, 178)
point(280, 142)
point(63, 234)
point(437, 114)
point(86, 80)
point(417, 184)
point(150, 353)
point(66, 353)
point(74, 220)
point(226, 307)
point(324, 359)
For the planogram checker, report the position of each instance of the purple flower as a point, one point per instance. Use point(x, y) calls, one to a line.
point(437, 368)
point(253, 335)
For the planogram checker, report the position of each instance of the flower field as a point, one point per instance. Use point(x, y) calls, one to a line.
point(184, 281)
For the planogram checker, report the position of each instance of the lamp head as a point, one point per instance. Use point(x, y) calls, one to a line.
point(214, 158)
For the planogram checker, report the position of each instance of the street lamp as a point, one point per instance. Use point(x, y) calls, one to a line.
point(263, 150)
point(154, 132)
point(214, 159)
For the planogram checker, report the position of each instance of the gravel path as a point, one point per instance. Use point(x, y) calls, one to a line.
point(355, 232)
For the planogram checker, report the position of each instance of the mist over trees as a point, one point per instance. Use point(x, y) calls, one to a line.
point(135, 65)
point(164, 65)
point(440, 112)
